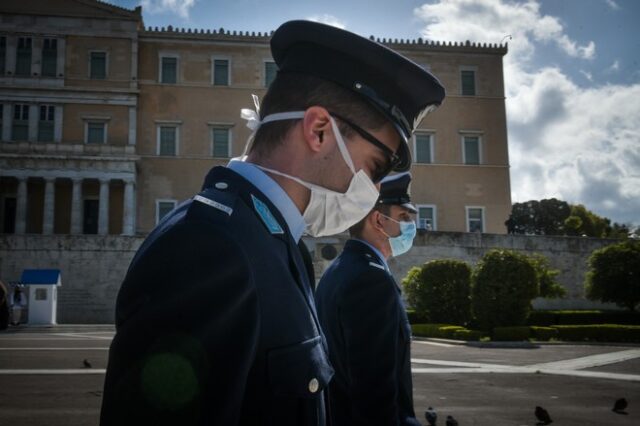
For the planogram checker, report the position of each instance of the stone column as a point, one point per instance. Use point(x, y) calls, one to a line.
point(133, 114)
point(49, 206)
point(10, 56)
point(129, 211)
point(21, 206)
point(34, 116)
point(76, 207)
point(7, 118)
point(103, 213)
point(61, 57)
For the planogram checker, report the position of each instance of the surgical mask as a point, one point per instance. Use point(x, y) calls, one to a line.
point(329, 212)
point(403, 242)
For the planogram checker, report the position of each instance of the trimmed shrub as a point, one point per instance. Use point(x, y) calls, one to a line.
point(416, 318)
point(600, 332)
point(504, 283)
point(544, 333)
point(443, 331)
point(511, 333)
point(412, 288)
point(447, 291)
point(549, 318)
point(614, 274)
point(548, 286)
point(469, 335)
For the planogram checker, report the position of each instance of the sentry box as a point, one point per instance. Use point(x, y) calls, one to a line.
point(43, 294)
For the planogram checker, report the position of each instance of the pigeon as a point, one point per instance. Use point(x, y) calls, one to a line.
point(543, 416)
point(451, 421)
point(620, 405)
point(431, 416)
point(86, 363)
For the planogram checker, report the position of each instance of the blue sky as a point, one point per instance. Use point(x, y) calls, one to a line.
point(572, 77)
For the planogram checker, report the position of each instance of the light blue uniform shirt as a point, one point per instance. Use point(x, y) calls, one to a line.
point(377, 252)
point(274, 193)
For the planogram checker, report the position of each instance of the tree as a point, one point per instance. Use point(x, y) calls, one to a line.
point(504, 284)
point(548, 286)
point(614, 274)
point(440, 290)
point(545, 217)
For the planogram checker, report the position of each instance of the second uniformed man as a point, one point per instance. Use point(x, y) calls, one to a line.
point(364, 319)
point(215, 320)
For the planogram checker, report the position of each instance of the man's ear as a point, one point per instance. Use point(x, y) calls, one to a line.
point(315, 126)
point(375, 219)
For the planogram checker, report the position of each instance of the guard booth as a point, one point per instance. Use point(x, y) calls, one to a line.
point(43, 294)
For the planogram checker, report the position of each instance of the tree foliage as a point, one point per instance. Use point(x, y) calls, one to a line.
point(440, 290)
point(614, 274)
point(504, 284)
point(548, 286)
point(555, 217)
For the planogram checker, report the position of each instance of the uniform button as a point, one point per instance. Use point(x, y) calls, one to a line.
point(313, 385)
point(221, 185)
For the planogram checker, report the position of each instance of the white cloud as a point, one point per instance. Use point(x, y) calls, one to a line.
point(181, 7)
point(329, 20)
point(614, 67)
point(574, 143)
point(613, 5)
point(587, 75)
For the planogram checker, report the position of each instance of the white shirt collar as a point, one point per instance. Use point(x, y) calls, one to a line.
point(274, 193)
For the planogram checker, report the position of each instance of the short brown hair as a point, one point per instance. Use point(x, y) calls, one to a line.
point(356, 230)
point(296, 92)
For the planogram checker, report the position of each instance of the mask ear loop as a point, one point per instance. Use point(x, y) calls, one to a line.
point(254, 122)
point(341, 146)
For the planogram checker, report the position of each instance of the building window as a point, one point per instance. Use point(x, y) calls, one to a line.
point(98, 65)
point(3, 53)
point(475, 219)
point(20, 127)
point(468, 82)
point(221, 72)
point(49, 57)
point(90, 217)
point(168, 141)
point(471, 150)
point(164, 207)
point(46, 123)
point(169, 70)
point(96, 132)
point(270, 71)
point(9, 215)
point(221, 142)
point(41, 294)
point(427, 217)
point(423, 148)
point(23, 56)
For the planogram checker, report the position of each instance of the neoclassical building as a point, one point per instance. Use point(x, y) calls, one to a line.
point(106, 125)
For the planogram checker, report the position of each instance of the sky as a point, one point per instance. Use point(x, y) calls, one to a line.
point(572, 77)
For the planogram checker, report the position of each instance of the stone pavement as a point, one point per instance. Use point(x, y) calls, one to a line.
point(43, 380)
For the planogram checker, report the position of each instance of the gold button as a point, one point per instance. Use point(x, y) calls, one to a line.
point(313, 385)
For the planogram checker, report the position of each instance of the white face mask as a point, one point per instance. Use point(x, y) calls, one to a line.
point(330, 212)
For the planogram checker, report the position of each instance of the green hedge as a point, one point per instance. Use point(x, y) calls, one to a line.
point(511, 333)
point(550, 318)
point(544, 334)
point(468, 335)
point(599, 332)
point(416, 318)
point(445, 331)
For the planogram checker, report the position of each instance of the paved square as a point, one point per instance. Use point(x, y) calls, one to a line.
point(43, 380)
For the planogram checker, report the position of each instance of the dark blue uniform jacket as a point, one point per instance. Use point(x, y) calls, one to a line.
point(215, 320)
point(366, 326)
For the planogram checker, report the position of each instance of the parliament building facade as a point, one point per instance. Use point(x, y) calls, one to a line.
point(105, 125)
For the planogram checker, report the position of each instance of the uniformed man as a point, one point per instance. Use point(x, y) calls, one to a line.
point(364, 320)
point(216, 323)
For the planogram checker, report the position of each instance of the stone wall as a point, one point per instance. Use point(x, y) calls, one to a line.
point(93, 267)
point(567, 254)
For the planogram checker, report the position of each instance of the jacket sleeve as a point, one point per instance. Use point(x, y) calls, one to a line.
point(188, 326)
point(369, 315)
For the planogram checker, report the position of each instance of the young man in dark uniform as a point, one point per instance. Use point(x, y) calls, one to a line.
point(364, 320)
point(216, 323)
